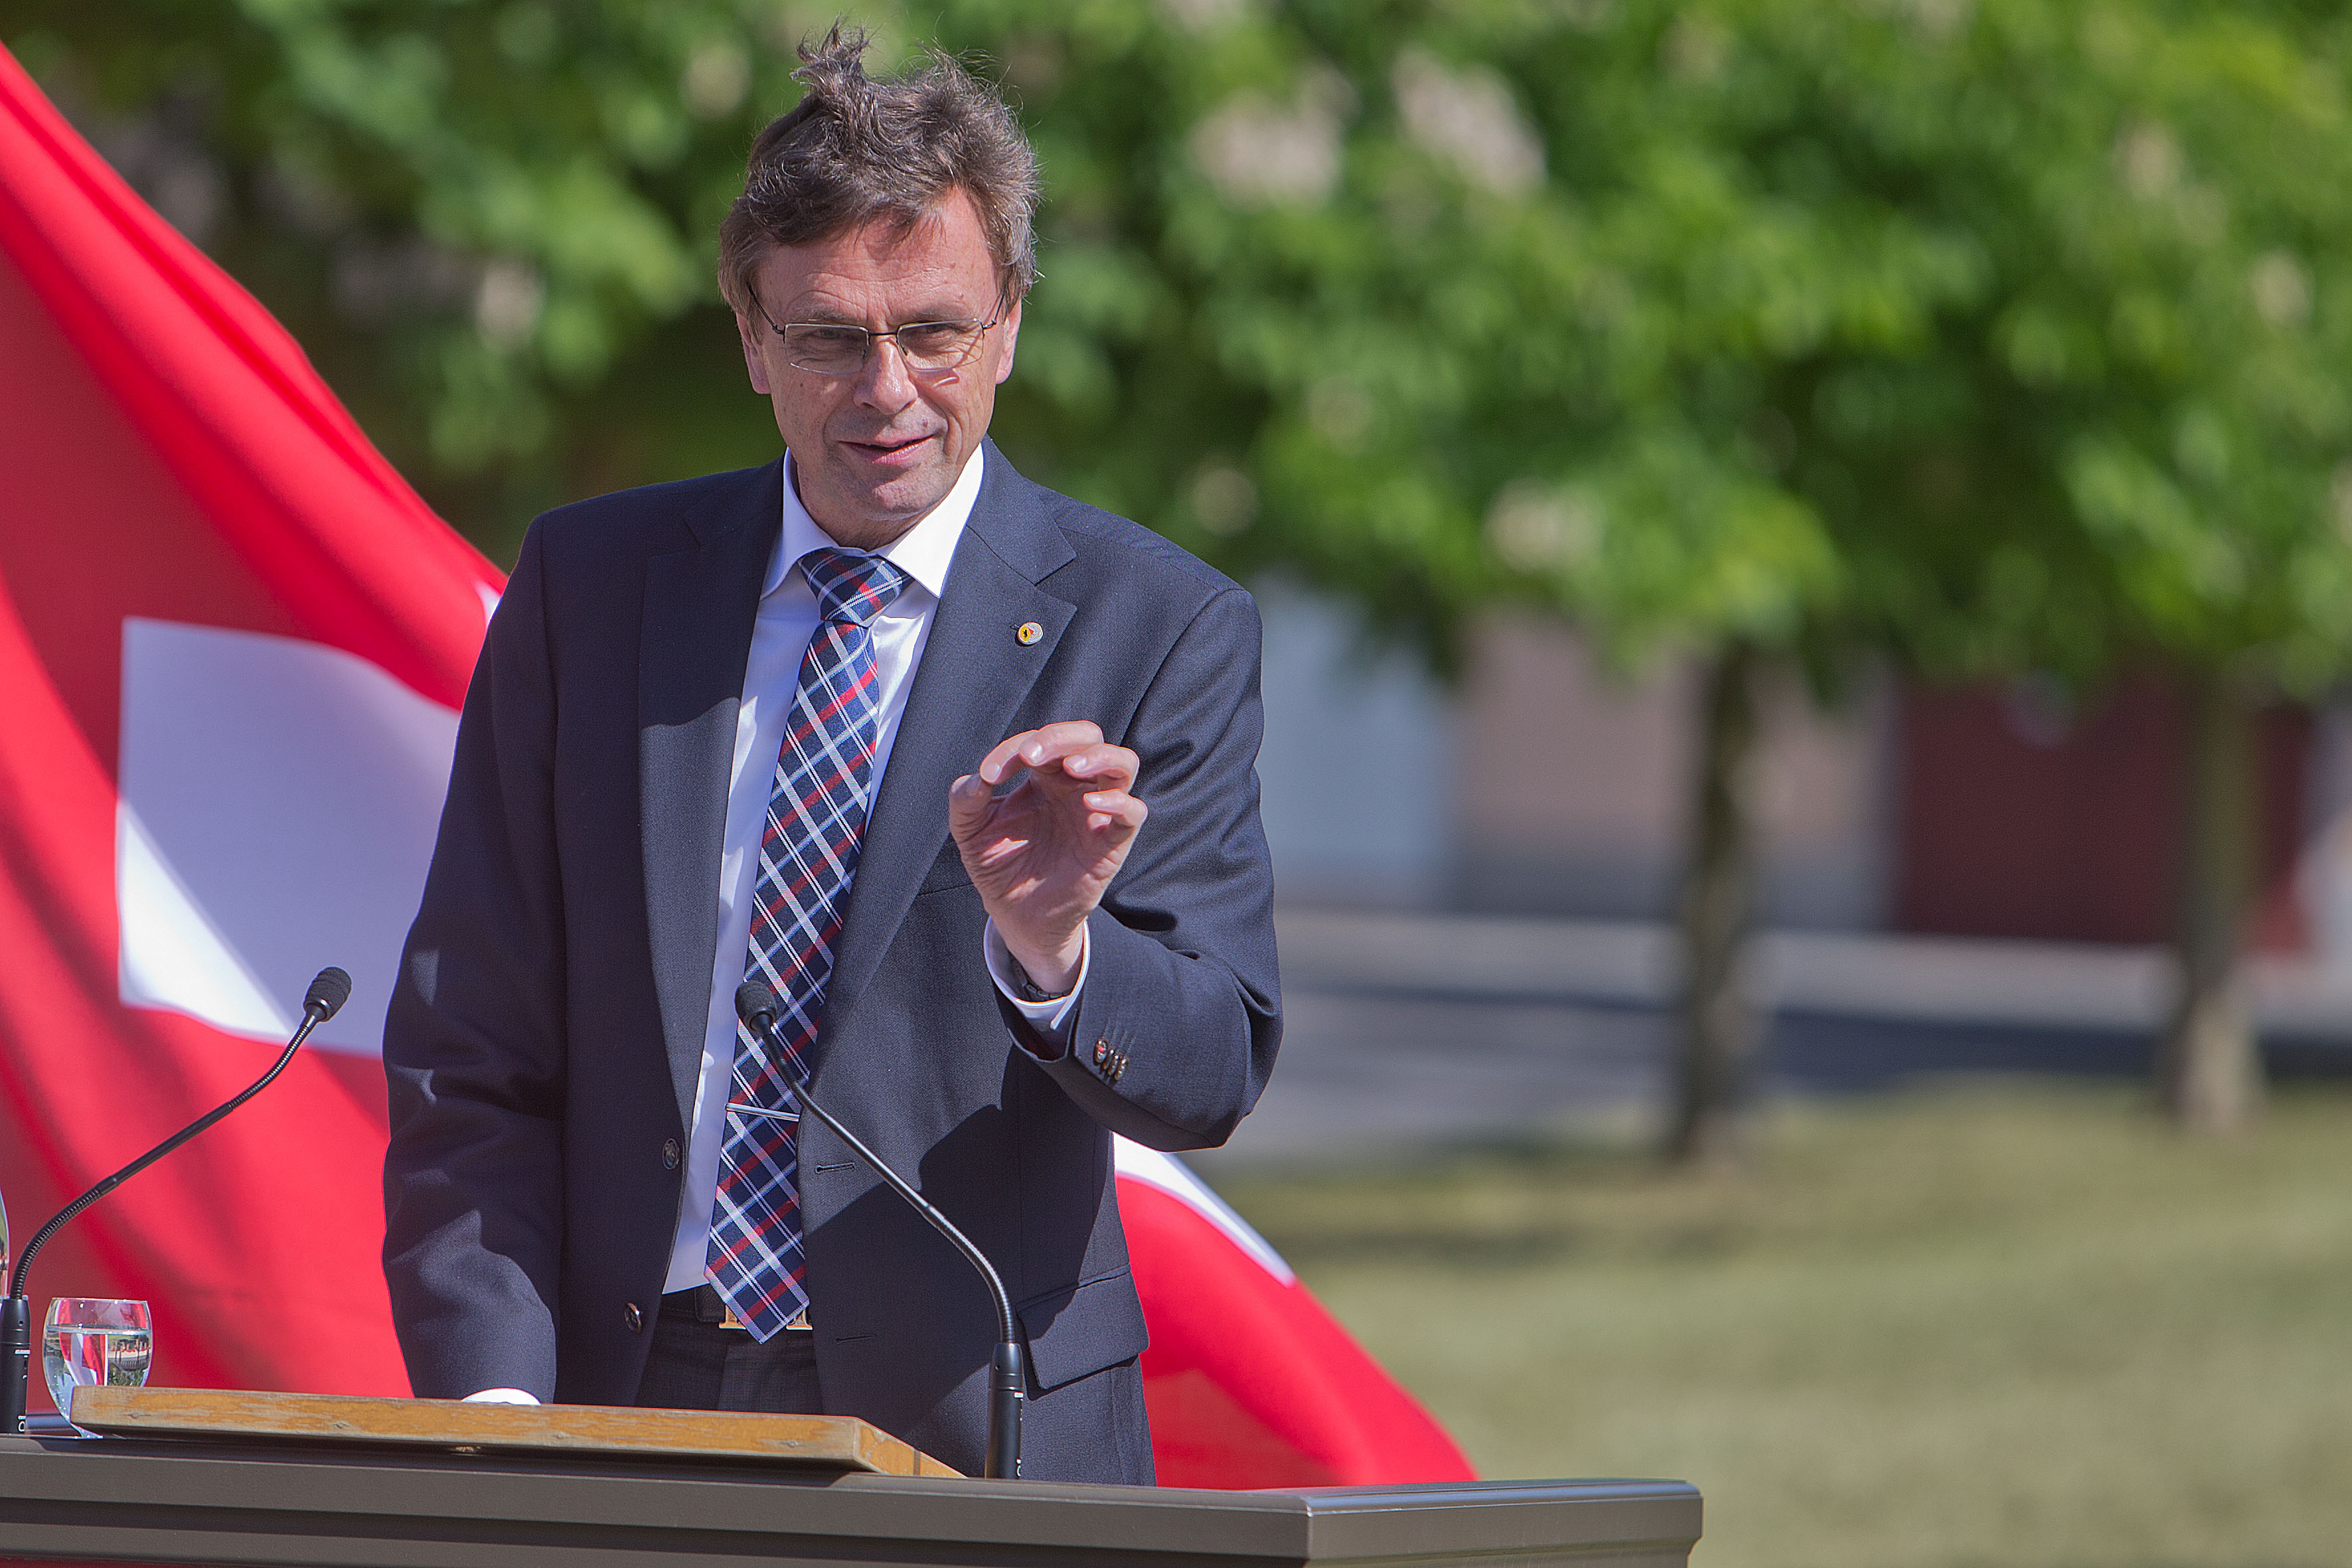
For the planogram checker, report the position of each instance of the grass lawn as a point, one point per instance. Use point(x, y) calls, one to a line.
point(2019, 1325)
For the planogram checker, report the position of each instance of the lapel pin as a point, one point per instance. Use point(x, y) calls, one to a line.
point(1027, 633)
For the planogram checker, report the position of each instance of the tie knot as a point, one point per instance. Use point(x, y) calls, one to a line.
point(851, 588)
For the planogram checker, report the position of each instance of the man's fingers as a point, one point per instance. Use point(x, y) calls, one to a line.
point(1112, 767)
point(993, 766)
point(1035, 748)
point(1109, 805)
point(968, 800)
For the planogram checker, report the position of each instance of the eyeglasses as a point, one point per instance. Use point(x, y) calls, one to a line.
point(834, 348)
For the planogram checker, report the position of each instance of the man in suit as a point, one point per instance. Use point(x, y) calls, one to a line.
point(962, 768)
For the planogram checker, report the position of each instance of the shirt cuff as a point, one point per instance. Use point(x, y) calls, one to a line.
point(501, 1396)
point(1050, 1019)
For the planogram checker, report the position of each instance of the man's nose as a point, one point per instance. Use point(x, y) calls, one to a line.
point(884, 381)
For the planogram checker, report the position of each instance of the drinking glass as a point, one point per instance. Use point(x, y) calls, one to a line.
point(87, 1340)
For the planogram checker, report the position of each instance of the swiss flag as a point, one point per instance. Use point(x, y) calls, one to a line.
point(231, 647)
point(1249, 1381)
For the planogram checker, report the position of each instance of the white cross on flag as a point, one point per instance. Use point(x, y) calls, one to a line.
point(233, 643)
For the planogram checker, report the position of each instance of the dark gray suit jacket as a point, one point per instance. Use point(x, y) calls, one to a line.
point(547, 1029)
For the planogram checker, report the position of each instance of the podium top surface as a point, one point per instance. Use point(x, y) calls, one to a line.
point(827, 1442)
point(288, 1503)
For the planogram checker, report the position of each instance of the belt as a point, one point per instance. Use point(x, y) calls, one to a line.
point(704, 1305)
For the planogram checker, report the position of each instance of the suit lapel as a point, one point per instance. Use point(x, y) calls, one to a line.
point(700, 603)
point(974, 676)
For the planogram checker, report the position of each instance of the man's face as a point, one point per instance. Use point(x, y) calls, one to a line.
point(877, 448)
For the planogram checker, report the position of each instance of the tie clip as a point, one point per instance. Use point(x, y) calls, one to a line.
point(763, 1110)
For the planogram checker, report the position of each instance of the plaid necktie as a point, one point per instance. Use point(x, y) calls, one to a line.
point(808, 854)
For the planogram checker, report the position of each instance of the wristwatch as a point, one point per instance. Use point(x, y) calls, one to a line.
point(1027, 988)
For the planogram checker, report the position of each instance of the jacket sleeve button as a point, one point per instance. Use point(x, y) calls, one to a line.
point(631, 1315)
point(669, 1153)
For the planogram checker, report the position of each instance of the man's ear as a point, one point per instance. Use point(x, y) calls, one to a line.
point(1011, 328)
point(753, 364)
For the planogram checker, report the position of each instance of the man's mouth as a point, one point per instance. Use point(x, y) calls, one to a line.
point(886, 446)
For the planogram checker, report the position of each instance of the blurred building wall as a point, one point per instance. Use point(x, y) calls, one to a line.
point(1546, 785)
point(1577, 781)
point(1357, 772)
point(2322, 872)
point(1549, 786)
point(2025, 815)
point(1543, 785)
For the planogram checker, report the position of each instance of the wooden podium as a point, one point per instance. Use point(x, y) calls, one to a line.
point(448, 1426)
point(188, 1476)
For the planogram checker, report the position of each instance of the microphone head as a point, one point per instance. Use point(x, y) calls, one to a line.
point(328, 993)
point(755, 1004)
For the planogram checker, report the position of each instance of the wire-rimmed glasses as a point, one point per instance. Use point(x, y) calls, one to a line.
point(837, 348)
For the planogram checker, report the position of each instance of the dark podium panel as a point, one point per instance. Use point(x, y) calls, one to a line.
point(135, 1501)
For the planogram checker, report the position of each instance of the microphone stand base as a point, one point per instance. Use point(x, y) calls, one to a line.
point(16, 1362)
point(1007, 1385)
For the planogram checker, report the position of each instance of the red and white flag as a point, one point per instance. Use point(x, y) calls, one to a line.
point(233, 643)
point(1249, 1381)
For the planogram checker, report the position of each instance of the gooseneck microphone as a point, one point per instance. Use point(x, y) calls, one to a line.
point(756, 1005)
point(326, 997)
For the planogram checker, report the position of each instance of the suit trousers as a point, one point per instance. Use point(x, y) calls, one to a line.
point(694, 1363)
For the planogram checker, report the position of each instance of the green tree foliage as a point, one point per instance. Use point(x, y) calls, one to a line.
point(1314, 293)
point(490, 224)
point(2037, 313)
point(2006, 333)
point(1981, 335)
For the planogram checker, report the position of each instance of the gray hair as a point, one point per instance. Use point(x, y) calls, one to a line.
point(855, 151)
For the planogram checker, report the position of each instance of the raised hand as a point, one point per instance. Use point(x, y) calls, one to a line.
point(1042, 854)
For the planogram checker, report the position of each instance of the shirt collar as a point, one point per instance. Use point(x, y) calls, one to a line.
point(923, 552)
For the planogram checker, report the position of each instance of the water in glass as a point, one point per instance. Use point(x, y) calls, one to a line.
point(86, 1342)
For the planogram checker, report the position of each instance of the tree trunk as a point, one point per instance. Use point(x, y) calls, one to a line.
point(1718, 1021)
point(2209, 1072)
